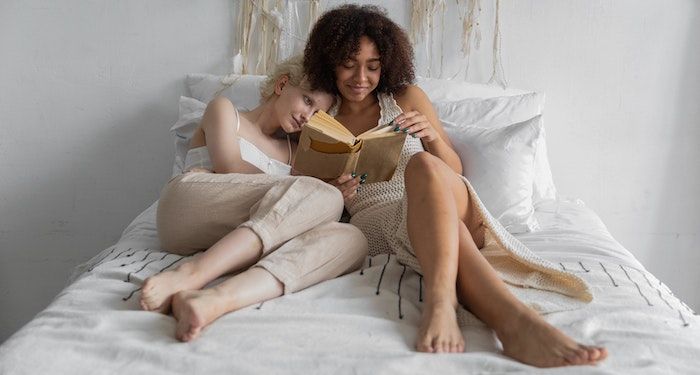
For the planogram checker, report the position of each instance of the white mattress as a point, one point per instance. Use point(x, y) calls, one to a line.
point(364, 322)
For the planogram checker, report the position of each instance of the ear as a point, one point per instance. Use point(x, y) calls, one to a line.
point(281, 82)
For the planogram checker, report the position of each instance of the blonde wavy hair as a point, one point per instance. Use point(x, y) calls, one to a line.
point(293, 68)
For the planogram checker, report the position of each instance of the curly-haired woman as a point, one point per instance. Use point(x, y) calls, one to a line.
point(427, 214)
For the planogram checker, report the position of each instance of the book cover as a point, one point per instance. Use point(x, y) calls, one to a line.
point(327, 150)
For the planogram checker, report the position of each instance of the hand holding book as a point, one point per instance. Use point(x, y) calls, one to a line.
point(328, 150)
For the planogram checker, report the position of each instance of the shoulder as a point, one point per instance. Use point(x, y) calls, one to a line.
point(411, 98)
point(222, 105)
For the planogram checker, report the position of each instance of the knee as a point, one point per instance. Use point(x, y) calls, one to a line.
point(324, 196)
point(350, 242)
point(422, 167)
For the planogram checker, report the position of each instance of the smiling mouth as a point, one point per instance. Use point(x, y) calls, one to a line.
point(298, 123)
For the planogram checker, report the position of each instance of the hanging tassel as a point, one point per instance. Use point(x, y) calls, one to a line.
point(497, 74)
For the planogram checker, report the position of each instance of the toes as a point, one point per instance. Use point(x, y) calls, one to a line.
point(595, 353)
point(425, 346)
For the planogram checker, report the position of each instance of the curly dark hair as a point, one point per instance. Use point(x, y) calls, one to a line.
point(336, 37)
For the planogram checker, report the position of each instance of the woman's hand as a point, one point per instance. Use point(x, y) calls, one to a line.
point(417, 125)
point(348, 185)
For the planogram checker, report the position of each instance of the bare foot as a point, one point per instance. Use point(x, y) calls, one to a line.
point(439, 332)
point(158, 290)
point(533, 341)
point(194, 310)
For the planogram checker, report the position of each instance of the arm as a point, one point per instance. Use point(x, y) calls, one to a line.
point(218, 126)
point(420, 119)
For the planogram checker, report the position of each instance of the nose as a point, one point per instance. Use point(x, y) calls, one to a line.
point(360, 74)
point(306, 115)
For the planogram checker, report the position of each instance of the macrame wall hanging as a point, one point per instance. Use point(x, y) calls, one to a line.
point(269, 31)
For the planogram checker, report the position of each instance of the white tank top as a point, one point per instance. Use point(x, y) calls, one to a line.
point(199, 156)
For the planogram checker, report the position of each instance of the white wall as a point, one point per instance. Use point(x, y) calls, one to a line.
point(88, 90)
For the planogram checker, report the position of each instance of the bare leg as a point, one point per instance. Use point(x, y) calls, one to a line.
point(235, 251)
point(526, 337)
point(196, 309)
point(524, 334)
point(434, 235)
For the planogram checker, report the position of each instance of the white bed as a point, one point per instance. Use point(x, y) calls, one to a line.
point(366, 322)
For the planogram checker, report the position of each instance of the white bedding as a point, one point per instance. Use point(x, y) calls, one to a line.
point(364, 322)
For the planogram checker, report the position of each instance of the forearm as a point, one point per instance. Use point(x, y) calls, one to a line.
point(442, 150)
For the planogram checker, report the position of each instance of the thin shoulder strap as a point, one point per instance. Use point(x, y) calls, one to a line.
point(238, 119)
point(289, 145)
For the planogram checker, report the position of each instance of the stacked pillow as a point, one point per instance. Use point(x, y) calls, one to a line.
point(498, 134)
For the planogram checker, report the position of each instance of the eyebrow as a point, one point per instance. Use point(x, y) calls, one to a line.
point(374, 59)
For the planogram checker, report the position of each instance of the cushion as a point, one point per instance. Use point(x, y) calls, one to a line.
point(242, 90)
point(190, 114)
point(504, 111)
point(445, 90)
point(500, 162)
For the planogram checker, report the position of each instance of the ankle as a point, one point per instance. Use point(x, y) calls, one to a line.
point(514, 323)
point(437, 299)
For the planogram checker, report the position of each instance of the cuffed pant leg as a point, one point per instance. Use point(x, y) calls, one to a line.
point(291, 207)
point(322, 253)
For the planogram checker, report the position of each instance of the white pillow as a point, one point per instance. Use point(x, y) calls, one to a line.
point(243, 91)
point(504, 111)
point(499, 163)
point(442, 90)
point(190, 115)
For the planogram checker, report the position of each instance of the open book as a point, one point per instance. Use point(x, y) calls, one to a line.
point(327, 150)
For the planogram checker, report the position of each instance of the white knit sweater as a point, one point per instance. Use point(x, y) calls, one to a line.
point(379, 210)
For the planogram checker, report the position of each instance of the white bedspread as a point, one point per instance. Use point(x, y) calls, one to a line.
point(365, 322)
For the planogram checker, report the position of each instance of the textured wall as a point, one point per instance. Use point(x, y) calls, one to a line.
point(88, 90)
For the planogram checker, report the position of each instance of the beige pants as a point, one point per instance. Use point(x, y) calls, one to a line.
point(294, 216)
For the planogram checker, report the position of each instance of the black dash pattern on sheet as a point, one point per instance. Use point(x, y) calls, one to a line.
point(609, 275)
point(655, 288)
point(103, 258)
point(171, 264)
point(420, 288)
point(399, 291)
point(260, 305)
point(563, 267)
point(362, 270)
point(120, 253)
point(685, 322)
point(131, 294)
point(583, 267)
point(635, 284)
point(381, 276)
point(137, 261)
point(128, 276)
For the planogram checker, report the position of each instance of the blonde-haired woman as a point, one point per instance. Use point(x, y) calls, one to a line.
point(249, 215)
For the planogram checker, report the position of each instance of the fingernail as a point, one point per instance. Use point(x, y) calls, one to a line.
point(357, 190)
point(353, 174)
point(362, 182)
point(405, 130)
point(364, 176)
point(397, 129)
point(413, 135)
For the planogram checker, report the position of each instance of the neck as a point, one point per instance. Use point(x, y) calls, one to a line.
point(263, 118)
point(353, 108)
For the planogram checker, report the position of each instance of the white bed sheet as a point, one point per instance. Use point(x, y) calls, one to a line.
point(364, 322)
